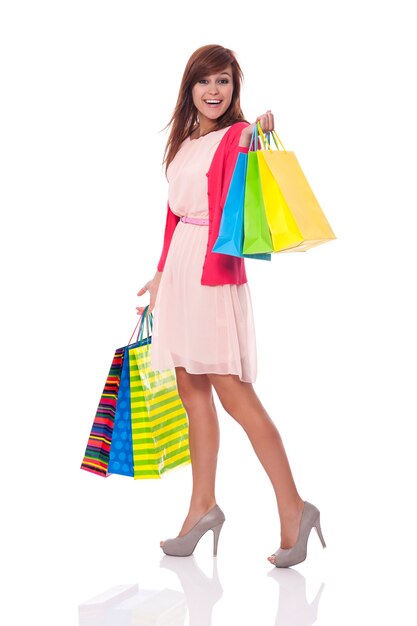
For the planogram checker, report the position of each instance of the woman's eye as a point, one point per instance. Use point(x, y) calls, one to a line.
point(223, 81)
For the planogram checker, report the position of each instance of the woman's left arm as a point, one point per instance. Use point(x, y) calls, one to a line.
point(267, 124)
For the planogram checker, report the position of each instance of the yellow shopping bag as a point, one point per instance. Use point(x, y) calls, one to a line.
point(295, 218)
point(159, 420)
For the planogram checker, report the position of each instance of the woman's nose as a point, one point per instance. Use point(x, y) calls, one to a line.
point(213, 88)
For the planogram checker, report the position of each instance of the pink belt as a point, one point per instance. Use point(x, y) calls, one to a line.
point(202, 221)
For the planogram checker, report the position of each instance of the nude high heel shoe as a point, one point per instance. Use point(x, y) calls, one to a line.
point(185, 545)
point(298, 553)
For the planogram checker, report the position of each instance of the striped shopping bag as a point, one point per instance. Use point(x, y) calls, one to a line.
point(159, 420)
point(96, 458)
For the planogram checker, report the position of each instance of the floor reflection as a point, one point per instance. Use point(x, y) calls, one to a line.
point(127, 604)
point(293, 608)
point(201, 592)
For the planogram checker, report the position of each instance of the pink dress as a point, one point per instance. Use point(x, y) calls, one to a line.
point(205, 329)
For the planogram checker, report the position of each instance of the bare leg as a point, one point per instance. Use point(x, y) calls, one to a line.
point(196, 394)
point(241, 402)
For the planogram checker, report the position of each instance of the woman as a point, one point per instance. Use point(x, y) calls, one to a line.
point(203, 314)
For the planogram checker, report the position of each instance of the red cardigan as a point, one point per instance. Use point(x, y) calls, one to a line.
point(218, 269)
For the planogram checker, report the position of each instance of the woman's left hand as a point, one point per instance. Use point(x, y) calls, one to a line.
point(267, 124)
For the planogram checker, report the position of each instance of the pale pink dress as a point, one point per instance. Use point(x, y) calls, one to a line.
point(205, 329)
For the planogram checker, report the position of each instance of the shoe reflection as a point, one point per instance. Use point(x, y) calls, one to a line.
point(201, 592)
point(293, 608)
point(127, 604)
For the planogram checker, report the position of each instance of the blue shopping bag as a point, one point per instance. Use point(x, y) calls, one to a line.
point(121, 452)
point(231, 233)
point(121, 448)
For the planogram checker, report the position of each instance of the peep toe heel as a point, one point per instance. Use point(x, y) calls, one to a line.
point(185, 545)
point(298, 553)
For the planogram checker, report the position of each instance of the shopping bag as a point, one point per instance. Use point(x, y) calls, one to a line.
point(121, 449)
point(96, 457)
point(159, 420)
point(109, 447)
point(295, 218)
point(257, 237)
point(141, 427)
point(230, 237)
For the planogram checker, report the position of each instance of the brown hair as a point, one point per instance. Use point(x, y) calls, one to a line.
point(204, 61)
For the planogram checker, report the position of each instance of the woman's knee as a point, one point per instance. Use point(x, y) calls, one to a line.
point(232, 393)
point(193, 389)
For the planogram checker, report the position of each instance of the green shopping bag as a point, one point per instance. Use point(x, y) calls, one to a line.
point(159, 421)
point(257, 236)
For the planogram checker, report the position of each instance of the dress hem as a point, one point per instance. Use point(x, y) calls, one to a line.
point(187, 369)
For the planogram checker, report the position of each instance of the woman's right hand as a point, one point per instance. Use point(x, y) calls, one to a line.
point(151, 286)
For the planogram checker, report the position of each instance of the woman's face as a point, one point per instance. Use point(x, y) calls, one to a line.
point(212, 95)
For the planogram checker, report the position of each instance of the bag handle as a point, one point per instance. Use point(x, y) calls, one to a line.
point(265, 138)
point(137, 323)
point(254, 140)
point(149, 321)
point(140, 323)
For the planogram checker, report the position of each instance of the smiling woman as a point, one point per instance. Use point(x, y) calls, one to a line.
point(204, 324)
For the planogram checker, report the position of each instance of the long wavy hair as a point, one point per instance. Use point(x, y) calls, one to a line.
point(203, 62)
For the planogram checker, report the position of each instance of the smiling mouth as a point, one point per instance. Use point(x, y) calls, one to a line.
point(212, 102)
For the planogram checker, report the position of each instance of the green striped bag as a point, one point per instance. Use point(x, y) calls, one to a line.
point(159, 420)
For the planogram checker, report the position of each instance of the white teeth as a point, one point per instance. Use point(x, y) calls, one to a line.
point(212, 101)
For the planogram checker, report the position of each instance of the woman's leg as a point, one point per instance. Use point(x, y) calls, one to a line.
point(241, 402)
point(196, 394)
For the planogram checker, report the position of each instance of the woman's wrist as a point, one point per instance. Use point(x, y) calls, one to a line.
point(245, 137)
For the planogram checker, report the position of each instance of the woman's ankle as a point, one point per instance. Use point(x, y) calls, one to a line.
point(291, 509)
point(202, 504)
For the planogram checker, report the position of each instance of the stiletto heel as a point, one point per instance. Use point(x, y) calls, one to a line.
point(216, 534)
point(298, 553)
point(318, 529)
point(185, 545)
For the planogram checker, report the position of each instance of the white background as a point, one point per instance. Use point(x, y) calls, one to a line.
point(87, 88)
